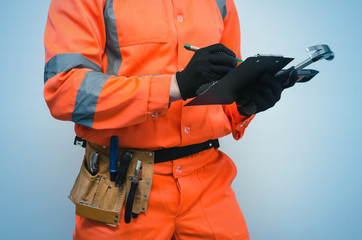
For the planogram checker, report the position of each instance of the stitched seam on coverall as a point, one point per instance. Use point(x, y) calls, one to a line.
point(201, 197)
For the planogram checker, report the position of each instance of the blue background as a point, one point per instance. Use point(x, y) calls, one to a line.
point(299, 164)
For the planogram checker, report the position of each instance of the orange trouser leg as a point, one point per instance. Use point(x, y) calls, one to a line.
point(208, 207)
point(191, 198)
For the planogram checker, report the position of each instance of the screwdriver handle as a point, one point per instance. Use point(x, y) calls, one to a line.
point(113, 157)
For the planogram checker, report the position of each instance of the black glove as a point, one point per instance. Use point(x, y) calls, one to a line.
point(265, 92)
point(207, 65)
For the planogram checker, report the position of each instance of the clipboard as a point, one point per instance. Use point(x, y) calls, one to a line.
point(227, 89)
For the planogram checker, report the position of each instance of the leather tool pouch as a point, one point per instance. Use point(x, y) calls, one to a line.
point(98, 198)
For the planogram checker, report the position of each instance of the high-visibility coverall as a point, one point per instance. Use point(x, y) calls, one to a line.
point(108, 69)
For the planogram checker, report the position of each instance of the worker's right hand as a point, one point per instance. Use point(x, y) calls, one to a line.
point(207, 65)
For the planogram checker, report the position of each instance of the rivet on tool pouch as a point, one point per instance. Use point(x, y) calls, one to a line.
point(98, 198)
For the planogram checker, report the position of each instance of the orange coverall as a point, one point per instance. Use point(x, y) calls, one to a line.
point(108, 69)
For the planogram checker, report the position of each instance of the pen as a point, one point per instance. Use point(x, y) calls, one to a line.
point(194, 49)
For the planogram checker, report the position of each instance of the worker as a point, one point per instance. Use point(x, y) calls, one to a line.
point(119, 68)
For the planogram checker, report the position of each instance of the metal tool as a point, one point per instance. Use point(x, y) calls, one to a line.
point(93, 163)
point(126, 159)
point(132, 191)
point(305, 75)
point(320, 52)
point(317, 53)
point(113, 157)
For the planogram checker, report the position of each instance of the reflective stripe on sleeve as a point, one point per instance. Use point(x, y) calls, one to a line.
point(87, 98)
point(114, 57)
point(65, 62)
point(222, 7)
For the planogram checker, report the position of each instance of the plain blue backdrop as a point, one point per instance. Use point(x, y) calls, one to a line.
point(299, 164)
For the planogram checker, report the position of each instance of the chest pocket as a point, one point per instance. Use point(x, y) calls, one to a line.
point(139, 23)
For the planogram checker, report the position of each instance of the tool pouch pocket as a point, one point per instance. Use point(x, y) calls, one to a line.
point(145, 182)
point(85, 186)
point(98, 198)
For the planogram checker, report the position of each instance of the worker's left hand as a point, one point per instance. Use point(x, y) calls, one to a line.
point(265, 92)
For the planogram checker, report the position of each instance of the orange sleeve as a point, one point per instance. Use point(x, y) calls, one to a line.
point(231, 39)
point(76, 85)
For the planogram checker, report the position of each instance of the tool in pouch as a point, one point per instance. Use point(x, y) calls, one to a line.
point(123, 168)
point(113, 157)
point(93, 163)
point(98, 197)
point(132, 192)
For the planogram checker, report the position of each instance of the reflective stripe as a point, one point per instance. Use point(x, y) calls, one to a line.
point(114, 57)
point(87, 98)
point(65, 62)
point(222, 7)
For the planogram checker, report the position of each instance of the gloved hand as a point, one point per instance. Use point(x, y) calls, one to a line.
point(207, 65)
point(265, 92)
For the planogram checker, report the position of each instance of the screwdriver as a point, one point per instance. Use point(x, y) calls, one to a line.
point(113, 157)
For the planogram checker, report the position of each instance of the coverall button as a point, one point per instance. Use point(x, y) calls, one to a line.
point(187, 130)
point(242, 125)
point(180, 18)
point(179, 169)
point(154, 114)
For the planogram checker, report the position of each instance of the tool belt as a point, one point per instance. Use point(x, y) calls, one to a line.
point(97, 197)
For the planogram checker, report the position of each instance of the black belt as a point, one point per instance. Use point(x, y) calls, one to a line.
point(169, 154)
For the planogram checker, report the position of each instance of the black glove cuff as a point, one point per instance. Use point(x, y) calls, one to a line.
point(181, 84)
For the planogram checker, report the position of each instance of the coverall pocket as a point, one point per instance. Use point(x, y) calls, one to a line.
point(151, 26)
